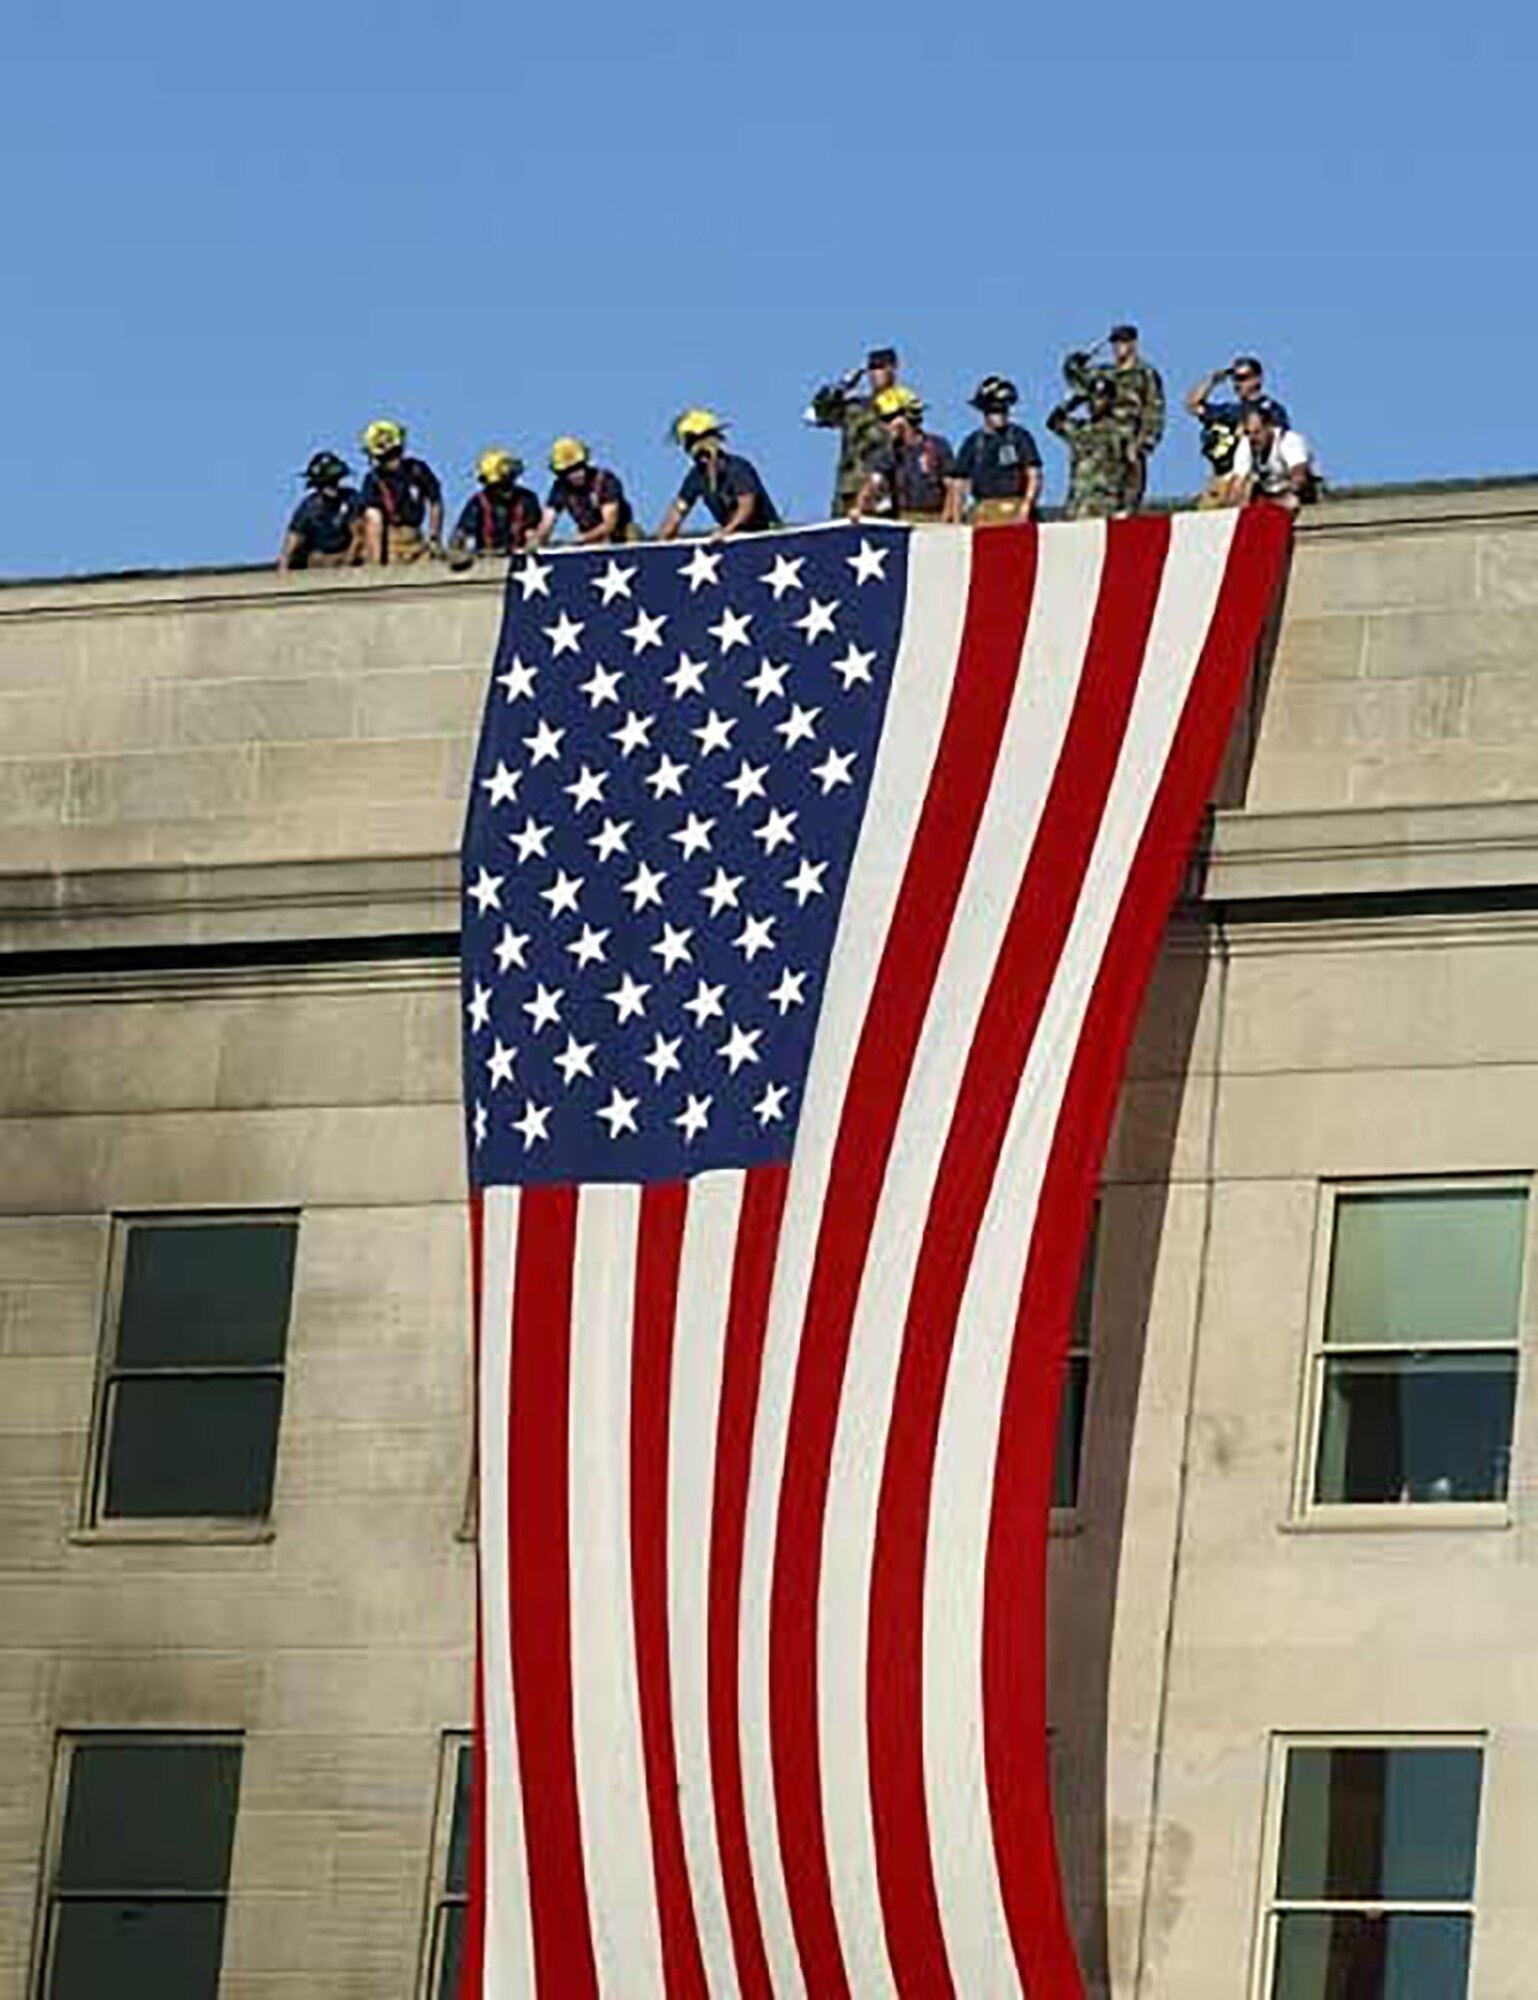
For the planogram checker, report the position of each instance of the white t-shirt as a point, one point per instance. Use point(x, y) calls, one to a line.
point(1289, 451)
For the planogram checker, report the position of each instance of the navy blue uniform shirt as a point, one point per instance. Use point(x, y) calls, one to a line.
point(994, 463)
point(723, 486)
point(585, 503)
point(402, 492)
point(498, 519)
point(1232, 414)
point(915, 474)
point(324, 519)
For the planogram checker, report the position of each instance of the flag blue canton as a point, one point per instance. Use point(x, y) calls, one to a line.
point(672, 773)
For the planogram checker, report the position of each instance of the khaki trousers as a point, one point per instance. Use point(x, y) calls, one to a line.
point(989, 513)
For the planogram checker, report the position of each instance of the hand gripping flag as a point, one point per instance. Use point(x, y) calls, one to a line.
point(811, 885)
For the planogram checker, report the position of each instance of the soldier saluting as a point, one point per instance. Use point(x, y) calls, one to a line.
point(839, 406)
point(1137, 398)
point(1101, 472)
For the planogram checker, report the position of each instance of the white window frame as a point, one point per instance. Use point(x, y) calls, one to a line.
point(451, 1744)
point(93, 1524)
point(1306, 1511)
point(1270, 1906)
point(66, 1743)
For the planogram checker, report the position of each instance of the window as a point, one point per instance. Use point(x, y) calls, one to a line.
point(193, 1383)
point(140, 1867)
point(1415, 1369)
point(450, 1876)
point(1372, 1890)
point(1070, 1428)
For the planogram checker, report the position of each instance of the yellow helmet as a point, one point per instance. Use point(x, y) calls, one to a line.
point(383, 435)
point(496, 464)
point(694, 426)
point(899, 401)
point(568, 452)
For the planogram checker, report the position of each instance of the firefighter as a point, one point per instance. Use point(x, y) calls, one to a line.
point(501, 518)
point(999, 463)
point(914, 474)
point(399, 494)
point(729, 485)
point(592, 495)
point(325, 530)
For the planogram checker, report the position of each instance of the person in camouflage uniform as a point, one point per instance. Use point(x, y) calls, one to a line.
point(1102, 471)
point(863, 436)
point(1138, 398)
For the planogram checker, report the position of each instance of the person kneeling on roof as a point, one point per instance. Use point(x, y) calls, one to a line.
point(399, 493)
point(729, 485)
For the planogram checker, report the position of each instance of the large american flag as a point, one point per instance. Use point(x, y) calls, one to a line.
point(811, 885)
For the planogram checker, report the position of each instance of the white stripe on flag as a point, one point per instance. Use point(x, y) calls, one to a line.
point(704, 1298)
point(938, 570)
point(509, 1938)
point(611, 1787)
point(1062, 608)
point(971, 1903)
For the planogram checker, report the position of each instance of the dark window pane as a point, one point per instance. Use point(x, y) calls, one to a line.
point(1380, 1825)
point(1070, 1432)
point(1416, 1427)
point(1084, 1298)
point(136, 1951)
point(1349, 1956)
point(1414, 1268)
point(150, 1816)
point(206, 1294)
point(457, 1870)
point(451, 1930)
point(180, 1445)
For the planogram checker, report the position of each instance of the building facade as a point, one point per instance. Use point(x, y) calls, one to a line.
point(1293, 1622)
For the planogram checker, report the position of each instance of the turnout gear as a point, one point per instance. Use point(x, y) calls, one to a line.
point(567, 453)
point(383, 436)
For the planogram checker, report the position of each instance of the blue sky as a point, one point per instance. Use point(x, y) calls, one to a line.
point(233, 234)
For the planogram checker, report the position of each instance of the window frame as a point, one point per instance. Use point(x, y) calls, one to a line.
point(1270, 1905)
point(66, 1743)
point(93, 1524)
point(1305, 1512)
point(452, 1744)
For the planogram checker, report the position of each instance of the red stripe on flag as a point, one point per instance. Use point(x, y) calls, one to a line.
point(758, 1239)
point(539, 1539)
point(659, 1251)
point(473, 1950)
point(1014, 1663)
point(1022, 978)
point(998, 608)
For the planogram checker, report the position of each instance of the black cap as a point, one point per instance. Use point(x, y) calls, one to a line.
point(1126, 331)
point(881, 357)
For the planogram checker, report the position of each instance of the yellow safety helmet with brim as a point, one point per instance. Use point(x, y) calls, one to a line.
point(383, 436)
point(567, 453)
point(899, 401)
point(695, 426)
point(496, 464)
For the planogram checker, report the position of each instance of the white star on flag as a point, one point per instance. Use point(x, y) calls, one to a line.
point(786, 575)
point(587, 790)
point(518, 680)
point(714, 733)
point(544, 1010)
point(645, 886)
point(611, 839)
point(510, 949)
point(790, 992)
point(664, 1056)
point(748, 783)
point(869, 565)
point(575, 1060)
point(668, 778)
point(693, 836)
point(628, 999)
point(721, 892)
point(564, 635)
point(502, 785)
point(770, 1108)
point(479, 1008)
point(776, 830)
point(731, 629)
point(486, 891)
point(533, 579)
point(534, 1124)
point(740, 1046)
point(688, 677)
point(854, 666)
point(563, 893)
point(768, 682)
point(705, 1003)
point(615, 581)
point(588, 949)
point(645, 632)
point(601, 685)
point(694, 1117)
point(673, 947)
point(800, 726)
point(834, 769)
point(756, 935)
point(544, 746)
point(818, 619)
point(500, 1064)
point(634, 733)
point(530, 839)
point(619, 1113)
point(703, 566)
point(807, 881)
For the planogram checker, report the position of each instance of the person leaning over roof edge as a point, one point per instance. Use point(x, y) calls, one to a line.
point(501, 518)
point(1274, 464)
point(835, 406)
point(728, 484)
point(999, 464)
point(914, 474)
point(592, 495)
point(325, 529)
point(398, 494)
